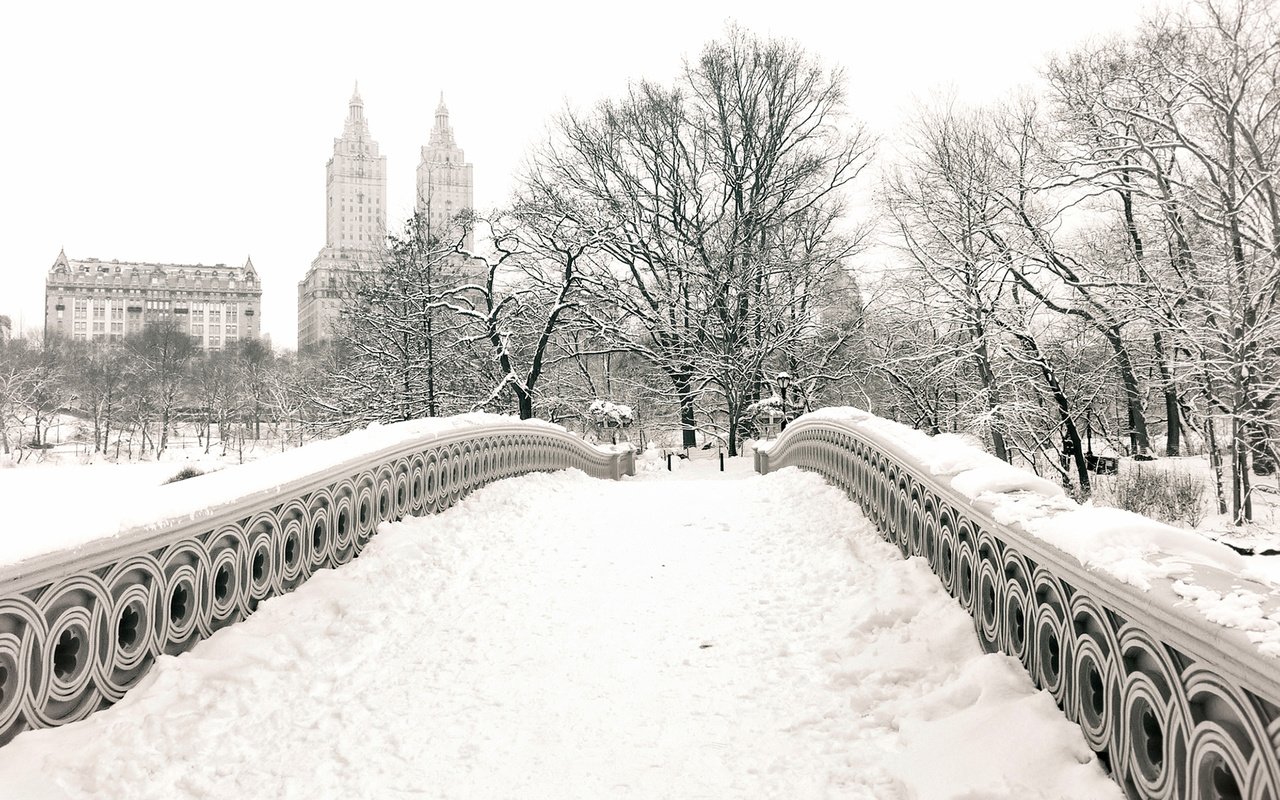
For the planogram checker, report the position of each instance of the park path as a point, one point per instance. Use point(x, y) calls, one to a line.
point(668, 636)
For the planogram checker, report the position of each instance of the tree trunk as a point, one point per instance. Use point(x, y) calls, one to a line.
point(1215, 461)
point(1172, 411)
point(993, 399)
point(525, 401)
point(431, 366)
point(1073, 437)
point(1241, 486)
point(1138, 439)
point(688, 421)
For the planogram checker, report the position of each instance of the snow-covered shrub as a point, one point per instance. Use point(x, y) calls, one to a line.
point(184, 473)
point(1168, 495)
point(770, 407)
point(610, 415)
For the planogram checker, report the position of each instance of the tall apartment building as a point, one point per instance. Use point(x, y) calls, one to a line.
point(356, 228)
point(445, 181)
point(91, 300)
point(355, 225)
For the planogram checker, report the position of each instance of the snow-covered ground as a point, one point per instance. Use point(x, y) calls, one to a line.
point(558, 636)
point(59, 507)
point(86, 491)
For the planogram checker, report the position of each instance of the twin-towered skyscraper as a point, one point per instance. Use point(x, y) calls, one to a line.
point(356, 211)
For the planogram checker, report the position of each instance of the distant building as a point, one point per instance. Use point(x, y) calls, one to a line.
point(356, 225)
point(356, 229)
point(6, 329)
point(91, 300)
point(445, 182)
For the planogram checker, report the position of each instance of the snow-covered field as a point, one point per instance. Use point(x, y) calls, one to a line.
point(58, 507)
point(559, 636)
point(87, 491)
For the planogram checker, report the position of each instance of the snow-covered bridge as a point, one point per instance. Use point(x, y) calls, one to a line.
point(671, 635)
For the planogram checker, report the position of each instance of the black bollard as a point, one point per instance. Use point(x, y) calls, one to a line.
point(722, 461)
point(668, 462)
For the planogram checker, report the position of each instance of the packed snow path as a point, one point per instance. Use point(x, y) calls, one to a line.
point(557, 636)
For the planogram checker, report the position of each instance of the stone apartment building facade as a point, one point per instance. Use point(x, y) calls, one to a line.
point(93, 300)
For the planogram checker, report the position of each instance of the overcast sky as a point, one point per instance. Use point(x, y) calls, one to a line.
point(179, 133)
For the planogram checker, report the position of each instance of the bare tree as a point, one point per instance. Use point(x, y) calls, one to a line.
point(162, 352)
point(100, 384)
point(526, 292)
point(706, 186)
point(1186, 116)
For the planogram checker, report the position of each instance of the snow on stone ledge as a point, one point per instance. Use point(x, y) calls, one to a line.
point(1127, 547)
point(68, 526)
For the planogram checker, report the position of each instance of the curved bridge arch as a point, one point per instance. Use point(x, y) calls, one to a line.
point(79, 628)
point(1177, 706)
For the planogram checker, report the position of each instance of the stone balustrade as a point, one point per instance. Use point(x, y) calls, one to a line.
point(78, 628)
point(1175, 704)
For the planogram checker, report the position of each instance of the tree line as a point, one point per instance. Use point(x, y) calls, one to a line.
point(131, 395)
point(1101, 258)
point(690, 237)
point(1090, 267)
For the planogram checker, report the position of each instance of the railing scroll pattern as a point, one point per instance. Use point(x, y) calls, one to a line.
point(1175, 706)
point(77, 632)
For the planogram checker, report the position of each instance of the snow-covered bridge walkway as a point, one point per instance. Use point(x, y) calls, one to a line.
point(558, 636)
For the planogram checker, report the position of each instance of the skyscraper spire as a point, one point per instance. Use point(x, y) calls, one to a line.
point(444, 179)
point(355, 224)
point(356, 106)
point(442, 133)
point(356, 125)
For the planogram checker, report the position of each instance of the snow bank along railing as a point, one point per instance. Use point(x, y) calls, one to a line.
point(78, 629)
point(1176, 705)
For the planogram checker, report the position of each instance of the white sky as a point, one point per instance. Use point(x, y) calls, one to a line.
point(187, 133)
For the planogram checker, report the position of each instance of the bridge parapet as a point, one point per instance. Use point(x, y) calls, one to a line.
point(1165, 654)
point(79, 628)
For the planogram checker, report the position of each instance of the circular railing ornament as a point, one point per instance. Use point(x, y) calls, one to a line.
point(70, 644)
point(1167, 722)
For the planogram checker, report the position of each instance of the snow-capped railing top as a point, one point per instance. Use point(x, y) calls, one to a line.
point(1128, 548)
point(82, 531)
point(81, 624)
point(1160, 643)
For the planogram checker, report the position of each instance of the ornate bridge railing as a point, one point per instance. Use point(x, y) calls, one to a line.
point(79, 628)
point(1170, 666)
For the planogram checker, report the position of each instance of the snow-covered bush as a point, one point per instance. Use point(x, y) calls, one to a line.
point(184, 473)
point(610, 415)
point(1167, 495)
point(768, 407)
